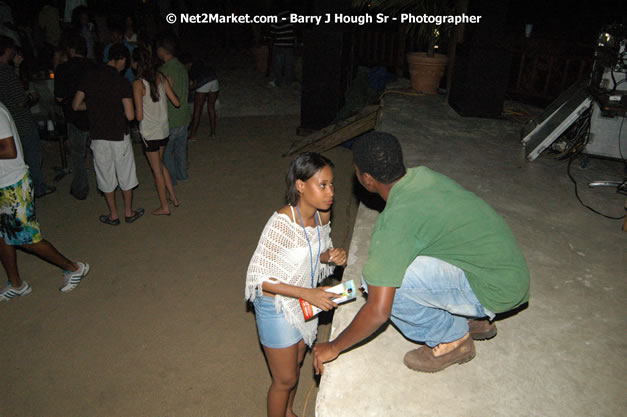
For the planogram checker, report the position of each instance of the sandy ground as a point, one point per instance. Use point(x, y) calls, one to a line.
point(160, 326)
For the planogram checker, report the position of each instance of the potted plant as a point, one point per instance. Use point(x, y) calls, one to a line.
point(426, 69)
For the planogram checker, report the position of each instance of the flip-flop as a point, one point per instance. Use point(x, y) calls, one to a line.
point(138, 213)
point(108, 220)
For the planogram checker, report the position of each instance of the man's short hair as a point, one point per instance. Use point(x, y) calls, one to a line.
point(169, 42)
point(6, 43)
point(119, 51)
point(78, 43)
point(380, 155)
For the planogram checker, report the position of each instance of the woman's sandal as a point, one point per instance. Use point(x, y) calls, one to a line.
point(108, 220)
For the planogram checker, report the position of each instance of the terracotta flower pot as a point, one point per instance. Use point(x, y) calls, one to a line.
point(426, 71)
point(261, 58)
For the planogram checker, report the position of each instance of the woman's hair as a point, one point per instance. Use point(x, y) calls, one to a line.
point(146, 70)
point(303, 167)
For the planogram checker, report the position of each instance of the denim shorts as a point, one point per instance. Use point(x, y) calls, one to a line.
point(274, 331)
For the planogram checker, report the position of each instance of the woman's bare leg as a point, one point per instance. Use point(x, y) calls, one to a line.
point(199, 102)
point(285, 367)
point(168, 179)
point(289, 412)
point(211, 110)
point(155, 164)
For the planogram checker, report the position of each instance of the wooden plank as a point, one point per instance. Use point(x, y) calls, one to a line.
point(338, 133)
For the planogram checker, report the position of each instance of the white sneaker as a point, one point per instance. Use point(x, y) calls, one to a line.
point(10, 292)
point(272, 84)
point(71, 279)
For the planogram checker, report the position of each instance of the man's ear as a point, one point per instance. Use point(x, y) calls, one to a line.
point(368, 179)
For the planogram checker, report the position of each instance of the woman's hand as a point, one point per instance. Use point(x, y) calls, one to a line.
point(320, 298)
point(336, 256)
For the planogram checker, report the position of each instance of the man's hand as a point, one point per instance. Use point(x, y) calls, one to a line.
point(370, 317)
point(323, 352)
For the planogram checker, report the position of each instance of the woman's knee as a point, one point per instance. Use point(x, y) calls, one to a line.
point(285, 382)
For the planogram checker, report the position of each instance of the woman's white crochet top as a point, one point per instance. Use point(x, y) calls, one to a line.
point(283, 253)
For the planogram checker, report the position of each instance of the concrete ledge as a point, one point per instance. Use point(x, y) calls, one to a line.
point(562, 356)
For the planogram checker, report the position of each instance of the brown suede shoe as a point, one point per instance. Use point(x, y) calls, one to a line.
point(424, 360)
point(481, 329)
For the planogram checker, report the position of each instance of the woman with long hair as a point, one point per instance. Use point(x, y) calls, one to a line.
point(294, 254)
point(151, 90)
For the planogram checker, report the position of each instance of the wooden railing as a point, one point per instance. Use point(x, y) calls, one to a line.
point(541, 69)
point(380, 45)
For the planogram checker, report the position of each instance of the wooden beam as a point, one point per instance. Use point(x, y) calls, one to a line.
point(338, 133)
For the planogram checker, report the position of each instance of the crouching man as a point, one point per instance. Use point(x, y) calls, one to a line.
point(441, 262)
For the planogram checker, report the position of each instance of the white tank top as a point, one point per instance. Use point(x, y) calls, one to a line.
point(154, 126)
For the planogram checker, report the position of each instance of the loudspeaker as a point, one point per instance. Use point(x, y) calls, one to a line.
point(327, 67)
point(481, 72)
point(328, 64)
point(480, 79)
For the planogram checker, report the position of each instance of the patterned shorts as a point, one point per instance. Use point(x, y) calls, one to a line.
point(18, 223)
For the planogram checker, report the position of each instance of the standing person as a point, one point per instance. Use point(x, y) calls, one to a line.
point(151, 91)
point(19, 226)
point(66, 80)
point(441, 263)
point(14, 97)
point(117, 38)
point(283, 39)
point(204, 81)
point(130, 35)
point(70, 5)
point(109, 108)
point(48, 20)
point(294, 254)
point(84, 26)
point(175, 156)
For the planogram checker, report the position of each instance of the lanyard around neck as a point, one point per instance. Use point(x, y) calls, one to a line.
point(311, 262)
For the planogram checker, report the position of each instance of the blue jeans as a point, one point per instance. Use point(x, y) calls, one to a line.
point(283, 65)
point(31, 146)
point(175, 155)
point(434, 302)
point(78, 146)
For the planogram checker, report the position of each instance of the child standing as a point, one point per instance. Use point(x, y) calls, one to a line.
point(151, 91)
point(293, 255)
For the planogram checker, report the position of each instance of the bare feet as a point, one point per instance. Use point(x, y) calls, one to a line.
point(175, 201)
point(444, 348)
point(161, 212)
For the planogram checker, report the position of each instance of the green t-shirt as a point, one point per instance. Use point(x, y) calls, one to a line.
point(428, 214)
point(180, 116)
